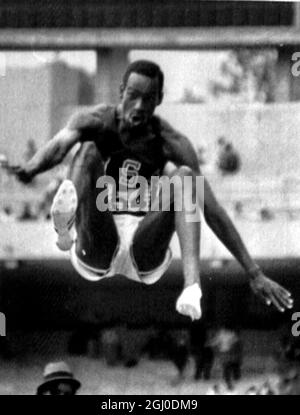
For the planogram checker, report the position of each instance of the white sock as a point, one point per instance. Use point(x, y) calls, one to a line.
point(188, 303)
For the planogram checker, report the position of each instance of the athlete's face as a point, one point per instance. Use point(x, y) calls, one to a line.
point(139, 97)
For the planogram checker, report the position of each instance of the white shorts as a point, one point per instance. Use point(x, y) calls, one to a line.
point(123, 262)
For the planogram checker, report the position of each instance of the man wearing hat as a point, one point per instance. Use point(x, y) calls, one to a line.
point(58, 380)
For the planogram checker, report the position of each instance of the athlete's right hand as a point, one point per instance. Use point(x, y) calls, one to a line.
point(20, 172)
point(271, 292)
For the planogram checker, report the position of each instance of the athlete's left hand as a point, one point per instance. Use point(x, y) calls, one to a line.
point(271, 293)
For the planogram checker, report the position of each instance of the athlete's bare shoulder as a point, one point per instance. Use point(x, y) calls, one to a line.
point(176, 146)
point(94, 118)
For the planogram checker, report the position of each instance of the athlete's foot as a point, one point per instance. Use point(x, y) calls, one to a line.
point(188, 303)
point(63, 212)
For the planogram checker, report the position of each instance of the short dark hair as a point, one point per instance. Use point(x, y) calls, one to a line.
point(146, 68)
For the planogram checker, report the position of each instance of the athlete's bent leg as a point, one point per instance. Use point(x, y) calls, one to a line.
point(154, 234)
point(97, 237)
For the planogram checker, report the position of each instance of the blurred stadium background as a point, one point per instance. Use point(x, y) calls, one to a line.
point(228, 68)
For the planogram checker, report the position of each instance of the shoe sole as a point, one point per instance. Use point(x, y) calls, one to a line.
point(63, 212)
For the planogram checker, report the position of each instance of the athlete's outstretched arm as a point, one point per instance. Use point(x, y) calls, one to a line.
point(223, 227)
point(81, 127)
point(181, 152)
point(49, 156)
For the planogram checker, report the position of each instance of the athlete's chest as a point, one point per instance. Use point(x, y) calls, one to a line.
point(130, 170)
point(142, 157)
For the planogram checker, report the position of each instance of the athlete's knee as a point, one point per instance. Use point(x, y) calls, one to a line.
point(183, 179)
point(172, 170)
point(184, 171)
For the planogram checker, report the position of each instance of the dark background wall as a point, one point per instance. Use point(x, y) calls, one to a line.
point(49, 294)
point(149, 13)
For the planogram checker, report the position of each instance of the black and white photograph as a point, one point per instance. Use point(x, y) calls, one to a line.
point(149, 199)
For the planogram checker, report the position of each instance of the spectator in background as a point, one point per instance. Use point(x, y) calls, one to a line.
point(179, 352)
point(290, 348)
point(239, 209)
point(266, 389)
point(26, 213)
point(58, 380)
point(215, 390)
point(85, 340)
point(205, 160)
point(7, 214)
point(158, 345)
point(228, 159)
point(252, 391)
point(111, 346)
point(133, 341)
point(289, 383)
point(229, 347)
point(202, 350)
